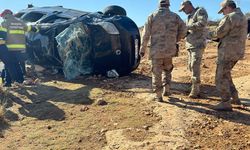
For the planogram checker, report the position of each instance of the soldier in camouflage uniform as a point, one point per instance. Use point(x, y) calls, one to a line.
point(195, 42)
point(232, 33)
point(161, 33)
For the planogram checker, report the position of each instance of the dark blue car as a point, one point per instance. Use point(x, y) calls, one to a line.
point(82, 43)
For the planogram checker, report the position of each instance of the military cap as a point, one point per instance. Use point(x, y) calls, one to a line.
point(164, 2)
point(183, 4)
point(224, 4)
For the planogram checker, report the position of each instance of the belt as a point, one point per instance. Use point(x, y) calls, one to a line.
point(2, 42)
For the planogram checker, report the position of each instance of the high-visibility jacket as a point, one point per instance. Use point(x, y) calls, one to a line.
point(16, 29)
point(3, 35)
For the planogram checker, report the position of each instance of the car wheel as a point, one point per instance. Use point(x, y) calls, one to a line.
point(114, 10)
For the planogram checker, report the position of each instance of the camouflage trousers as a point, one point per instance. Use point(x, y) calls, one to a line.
point(194, 64)
point(161, 73)
point(223, 80)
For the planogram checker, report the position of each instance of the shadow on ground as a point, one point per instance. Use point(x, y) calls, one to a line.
point(39, 101)
point(42, 97)
point(236, 116)
point(4, 125)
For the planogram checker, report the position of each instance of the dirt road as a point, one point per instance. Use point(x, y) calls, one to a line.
point(59, 114)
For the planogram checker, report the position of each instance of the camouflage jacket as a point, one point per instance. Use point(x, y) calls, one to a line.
point(232, 32)
point(161, 33)
point(197, 32)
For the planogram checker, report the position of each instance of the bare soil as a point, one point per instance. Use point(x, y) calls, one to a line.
point(60, 114)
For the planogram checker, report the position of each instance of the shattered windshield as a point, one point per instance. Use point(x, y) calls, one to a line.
point(74, 47)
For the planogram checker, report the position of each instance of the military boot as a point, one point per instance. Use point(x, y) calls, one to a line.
point(223, 106)
point(235, 99)
point(195, 92)
point(166, 90)
point(159, 99)
point(157, 96)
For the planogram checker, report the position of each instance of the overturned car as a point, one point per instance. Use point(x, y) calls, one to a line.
point(82, 43)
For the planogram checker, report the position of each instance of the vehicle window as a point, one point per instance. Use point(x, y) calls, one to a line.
point(19, 15)
point(32, 17)
point(58, 20)
point(53, 19)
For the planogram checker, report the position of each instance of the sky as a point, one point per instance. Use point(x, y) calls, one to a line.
point(137, 10)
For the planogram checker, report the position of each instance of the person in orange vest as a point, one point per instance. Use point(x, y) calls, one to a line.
point(16, 44)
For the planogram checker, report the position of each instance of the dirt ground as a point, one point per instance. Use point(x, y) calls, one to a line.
point(93, 113)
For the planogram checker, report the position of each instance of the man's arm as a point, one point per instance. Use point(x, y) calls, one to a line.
point(222, 29)
point(181, 33)
point(201, 22)
point(182, 29)
point(3, 34)
point(146, 33)
point(30, 28)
